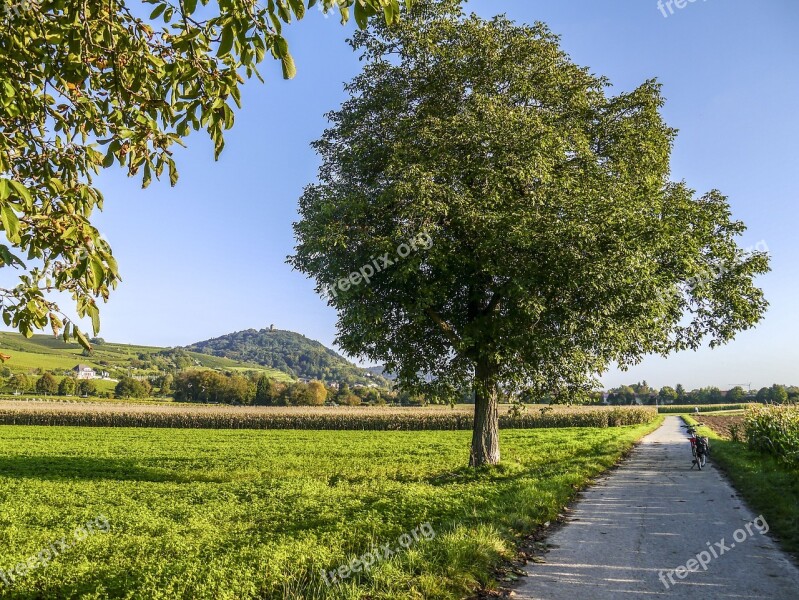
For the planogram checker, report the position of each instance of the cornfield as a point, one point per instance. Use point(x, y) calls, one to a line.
point(337, 418)
point(774, 430)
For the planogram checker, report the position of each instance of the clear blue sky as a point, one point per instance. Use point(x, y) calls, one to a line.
point(208, 257)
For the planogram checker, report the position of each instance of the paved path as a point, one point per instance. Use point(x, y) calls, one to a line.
point(648, 517)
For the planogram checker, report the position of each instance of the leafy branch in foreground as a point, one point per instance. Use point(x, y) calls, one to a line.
point(99, 83)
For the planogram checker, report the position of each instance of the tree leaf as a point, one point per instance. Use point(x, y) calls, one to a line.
point(108, 160)
point(281, 46)
point(98, 269)
point(226, 42)
point(360, 15)
point(147, 176)
point(82, 340)
point(298, 7)
point(94, 314)
point(10, 222)
point(23, 192)
point(173, 172)
point(157, 11)
point(289, 69)
point(9, 259)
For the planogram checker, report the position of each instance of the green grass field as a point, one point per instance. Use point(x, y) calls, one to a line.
point(200, 514)
point(27, 361)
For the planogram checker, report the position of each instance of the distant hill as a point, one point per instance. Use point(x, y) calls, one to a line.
point(48, 353)
point(282, 355)
point(290, 352)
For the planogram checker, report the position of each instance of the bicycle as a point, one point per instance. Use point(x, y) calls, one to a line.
point(700, 447)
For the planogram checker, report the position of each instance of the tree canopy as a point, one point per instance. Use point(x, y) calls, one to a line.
point(46, 384)
point(560, 245)
point(87, 85)
point(128, 387)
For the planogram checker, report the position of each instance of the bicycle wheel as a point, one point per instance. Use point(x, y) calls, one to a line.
point(700, 460)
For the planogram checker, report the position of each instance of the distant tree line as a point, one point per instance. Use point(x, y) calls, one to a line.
point(210, 386)
point(47, 385)
point(258, 389)
point(642, 393)
point(253, 389)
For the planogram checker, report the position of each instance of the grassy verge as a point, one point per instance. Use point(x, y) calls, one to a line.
point(769, 486)
point(222, 514)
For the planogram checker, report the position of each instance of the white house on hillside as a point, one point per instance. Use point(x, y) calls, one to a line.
point(85, 372)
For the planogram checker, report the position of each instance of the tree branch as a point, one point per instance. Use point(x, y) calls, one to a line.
point(496, 298)
point(493, 303)
point(445, 327)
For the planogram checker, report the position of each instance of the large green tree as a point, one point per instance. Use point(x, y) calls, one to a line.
point(265, 391)
point(86, 85)
point(46, 384)
point(777, 393)
point(559, 244)
point(128, 387)
point(66, 387)
point(86, 387)
point(166, 387)
point(667, 395)
point(19, 382)
point(736, 394)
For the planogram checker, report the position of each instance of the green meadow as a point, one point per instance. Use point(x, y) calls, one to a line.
point(221, 514)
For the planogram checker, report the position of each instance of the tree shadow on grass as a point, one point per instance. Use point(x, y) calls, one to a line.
point(70, 468)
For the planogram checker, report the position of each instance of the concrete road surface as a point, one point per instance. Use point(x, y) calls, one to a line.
point(654, 527)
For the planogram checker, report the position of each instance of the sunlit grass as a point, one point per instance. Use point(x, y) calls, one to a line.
point(260, 514)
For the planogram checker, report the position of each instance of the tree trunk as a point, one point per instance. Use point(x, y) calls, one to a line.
point(485, 436)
